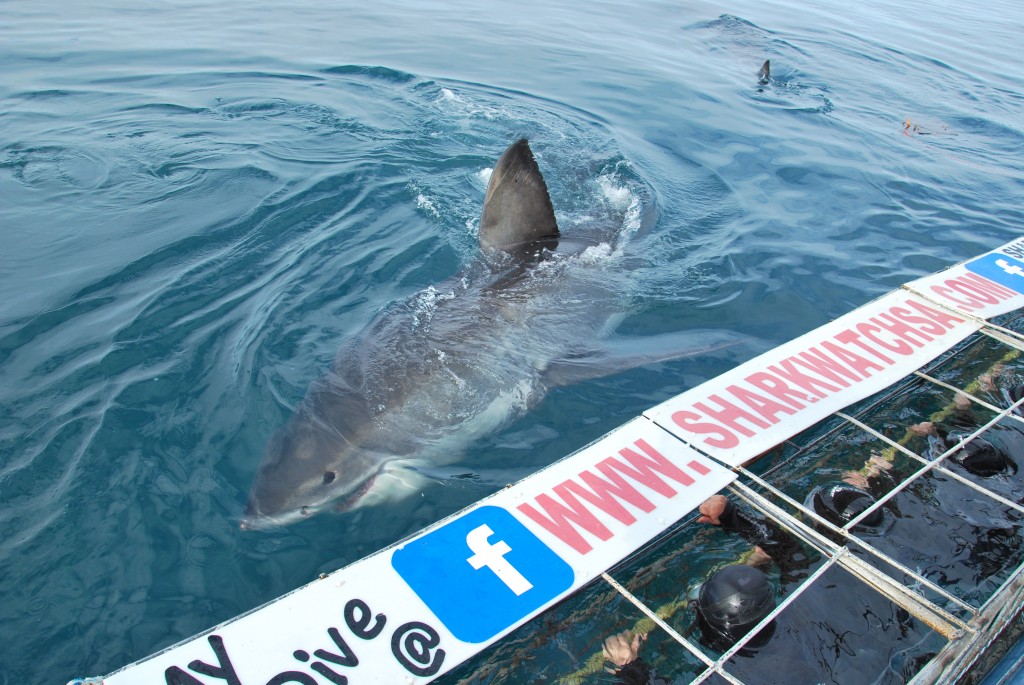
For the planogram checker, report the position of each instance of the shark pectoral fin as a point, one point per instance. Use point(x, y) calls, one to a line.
point(624, 353)
point(476, 478)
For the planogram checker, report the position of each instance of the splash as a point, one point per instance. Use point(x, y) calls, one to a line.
point(424, 203)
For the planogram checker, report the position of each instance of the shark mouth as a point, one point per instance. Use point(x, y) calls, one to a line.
point(349, 501)
point(257, 520)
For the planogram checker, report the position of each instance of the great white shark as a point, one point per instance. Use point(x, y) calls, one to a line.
point(459, 360)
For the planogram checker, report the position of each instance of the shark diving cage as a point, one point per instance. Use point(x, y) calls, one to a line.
point(910, 402)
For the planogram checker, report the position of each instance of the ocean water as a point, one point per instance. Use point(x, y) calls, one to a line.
point(200, 202)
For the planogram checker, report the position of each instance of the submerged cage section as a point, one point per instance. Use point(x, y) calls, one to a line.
point(913, 588)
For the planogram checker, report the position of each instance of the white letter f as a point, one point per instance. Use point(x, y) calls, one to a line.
point(493, 557)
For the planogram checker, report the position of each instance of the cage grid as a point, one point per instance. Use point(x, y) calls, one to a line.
point(959, 619)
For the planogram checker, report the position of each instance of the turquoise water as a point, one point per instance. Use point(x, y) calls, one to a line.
point(202, 201)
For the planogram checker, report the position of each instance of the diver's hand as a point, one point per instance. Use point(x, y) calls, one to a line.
point(856, 479)
point(987, 380)
point(877, 463)
point(924, 428)
point(623, 648)
point(712, 509)
point(758, 557)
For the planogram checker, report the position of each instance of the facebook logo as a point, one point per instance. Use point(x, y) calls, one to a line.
point(1001, 269)
point(482, 572)
point(493, 557)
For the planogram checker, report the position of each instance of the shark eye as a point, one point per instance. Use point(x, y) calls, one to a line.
point(328, 477)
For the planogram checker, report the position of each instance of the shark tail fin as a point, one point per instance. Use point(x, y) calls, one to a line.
point(517, 208)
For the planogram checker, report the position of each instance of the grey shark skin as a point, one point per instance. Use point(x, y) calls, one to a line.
point(764, 75)
point(457, 361)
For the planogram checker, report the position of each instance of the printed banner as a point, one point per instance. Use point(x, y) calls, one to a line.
point(747, 411)
point(412, 612)
point(986, 286)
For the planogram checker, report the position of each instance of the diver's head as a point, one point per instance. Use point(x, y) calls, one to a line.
point(840, 503)
point(1014, 394)
point(731, 602)
point(981, 458)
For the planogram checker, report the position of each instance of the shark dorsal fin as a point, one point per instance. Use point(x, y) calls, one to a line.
point(765, 74)
point(517, 208)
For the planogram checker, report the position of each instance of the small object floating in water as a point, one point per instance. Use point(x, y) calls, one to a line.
point(910, 126)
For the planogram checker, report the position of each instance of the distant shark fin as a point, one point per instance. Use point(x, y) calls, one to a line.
point(765, 74)
point(517, 208)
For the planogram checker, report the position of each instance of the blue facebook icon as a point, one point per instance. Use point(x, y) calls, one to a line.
point(482, 572)
point(1001, 269)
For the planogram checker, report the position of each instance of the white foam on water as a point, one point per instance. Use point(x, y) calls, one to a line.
point(622, 198)
point(424, 203)
point(426, 304)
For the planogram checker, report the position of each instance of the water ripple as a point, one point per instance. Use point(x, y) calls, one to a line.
point(199, 206)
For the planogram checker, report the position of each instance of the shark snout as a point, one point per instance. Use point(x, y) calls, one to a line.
point(256, 520)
